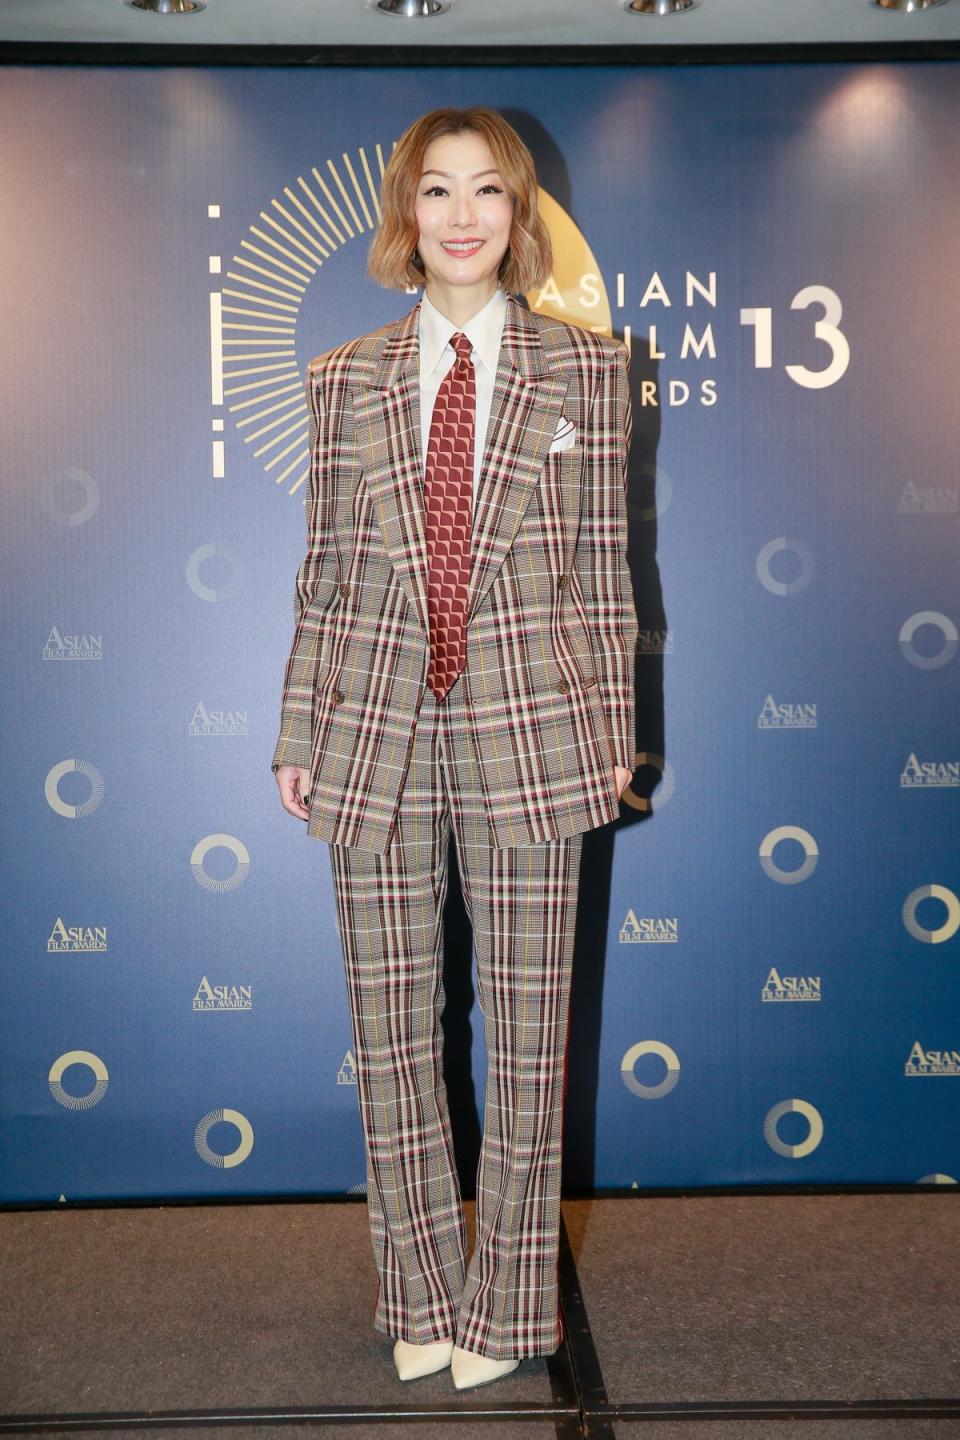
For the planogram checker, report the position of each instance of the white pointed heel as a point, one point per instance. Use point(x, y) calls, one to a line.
point(469, 1369)
point(412, 1361)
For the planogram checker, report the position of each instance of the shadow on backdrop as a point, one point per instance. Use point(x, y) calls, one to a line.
point(593, 913)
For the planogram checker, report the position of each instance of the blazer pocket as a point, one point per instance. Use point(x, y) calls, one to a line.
point(566, 441)
point(570, 457)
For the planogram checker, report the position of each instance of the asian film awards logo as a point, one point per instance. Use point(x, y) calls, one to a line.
point(929, 774)
point(225, 996)
point(76, 939)
point(779, 987)
point(212, 721)
point(787, 715)
point(931, 1062)
point(928, 499)
point(654, 642)
point(649, 929)
point(59, 646)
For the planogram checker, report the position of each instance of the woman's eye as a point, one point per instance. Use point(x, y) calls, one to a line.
point(489, 186)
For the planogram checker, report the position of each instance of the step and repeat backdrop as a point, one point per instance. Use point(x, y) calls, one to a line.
point(766, 987)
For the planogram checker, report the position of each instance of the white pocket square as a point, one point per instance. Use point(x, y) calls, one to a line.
point(565, 436)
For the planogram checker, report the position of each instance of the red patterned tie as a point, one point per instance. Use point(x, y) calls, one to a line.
point(448, 490)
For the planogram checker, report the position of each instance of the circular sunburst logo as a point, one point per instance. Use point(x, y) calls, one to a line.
point(256, 313)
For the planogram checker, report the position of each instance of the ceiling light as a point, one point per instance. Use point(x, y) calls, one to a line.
point(659, 7)
point(412, 9)
point(905, 6)
point(168, 7)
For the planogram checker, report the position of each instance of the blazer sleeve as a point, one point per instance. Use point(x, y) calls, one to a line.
point(602, 553)
point(314, 586)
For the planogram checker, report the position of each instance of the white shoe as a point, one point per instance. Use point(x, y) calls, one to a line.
point(412, 1361)
point(470, 1369)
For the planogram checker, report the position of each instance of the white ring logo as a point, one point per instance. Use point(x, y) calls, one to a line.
point(795, 1107)
point(664, 790)
point(771, 868)
point(911, 626)
point(51, 789)
point(950, 926)
point(784, 587)
point(650, 1047)
point(58, 512)
point(235, 1157)
point(211, 842)
point(207, 592)
point(100, 1080)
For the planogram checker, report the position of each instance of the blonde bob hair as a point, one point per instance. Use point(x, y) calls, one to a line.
point(393, 260)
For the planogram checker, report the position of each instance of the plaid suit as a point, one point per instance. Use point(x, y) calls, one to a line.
point(522, 904)
point(515, 762)
point(551, 624)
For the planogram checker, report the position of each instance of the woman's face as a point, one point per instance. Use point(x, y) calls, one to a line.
point(462, 196)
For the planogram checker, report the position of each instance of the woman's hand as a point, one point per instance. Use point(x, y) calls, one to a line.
point(293, 782)
point(624, 776)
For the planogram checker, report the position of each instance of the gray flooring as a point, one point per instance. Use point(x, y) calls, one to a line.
point(682, 1301)
point(751, 1297)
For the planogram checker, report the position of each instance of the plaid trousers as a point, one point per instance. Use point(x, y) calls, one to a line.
point(521, 901)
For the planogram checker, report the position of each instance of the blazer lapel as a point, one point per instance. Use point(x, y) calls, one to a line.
point(526, 404)
point(386, 412)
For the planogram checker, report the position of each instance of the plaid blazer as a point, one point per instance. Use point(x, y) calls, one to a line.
point(551, 622)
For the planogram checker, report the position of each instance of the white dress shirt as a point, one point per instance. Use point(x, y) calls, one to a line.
point(484, 329)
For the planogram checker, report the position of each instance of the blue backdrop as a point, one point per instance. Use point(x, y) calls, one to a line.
point(768, 952)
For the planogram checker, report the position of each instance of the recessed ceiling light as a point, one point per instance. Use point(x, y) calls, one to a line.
point(168, 7)
point(412, 9)
point(659, 7)
point(905, 6)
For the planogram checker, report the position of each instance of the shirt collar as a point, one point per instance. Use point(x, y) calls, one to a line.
point(484, 330)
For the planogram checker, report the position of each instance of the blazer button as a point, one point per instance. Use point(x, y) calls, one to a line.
point(561, 582)
point(563, 686)
point(345, 590)
point(590, 680)
point(336, 696)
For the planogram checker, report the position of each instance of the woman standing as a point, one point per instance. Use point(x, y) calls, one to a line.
point(462, 661)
